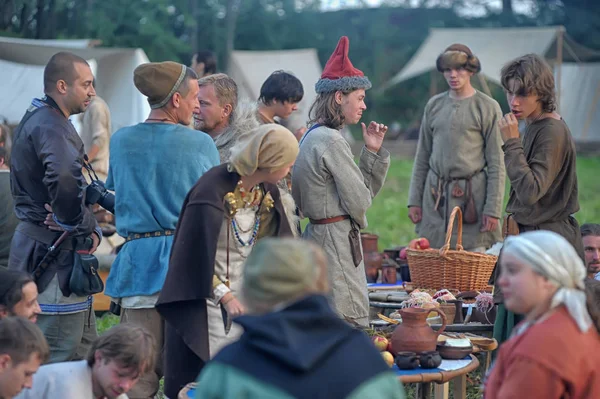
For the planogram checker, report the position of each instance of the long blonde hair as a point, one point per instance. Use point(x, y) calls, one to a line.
point(326, 111)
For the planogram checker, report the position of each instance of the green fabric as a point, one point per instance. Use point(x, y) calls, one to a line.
point(279, 270)
point(8, 220)
point(383, 386)
point(219, 380)
point(504, 324)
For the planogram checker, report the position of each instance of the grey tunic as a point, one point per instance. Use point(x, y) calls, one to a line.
point(459, 138)
point(327, 183)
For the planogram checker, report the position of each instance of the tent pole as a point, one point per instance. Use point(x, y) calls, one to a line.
point(484, 85)
point(432, 83)
point(559, 60)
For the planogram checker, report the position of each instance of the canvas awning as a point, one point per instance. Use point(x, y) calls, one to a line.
point(22, 64)
point(494, 47)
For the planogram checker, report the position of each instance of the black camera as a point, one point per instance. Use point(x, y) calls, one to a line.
point(96, 193)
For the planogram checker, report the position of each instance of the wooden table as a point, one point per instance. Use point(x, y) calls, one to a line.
point(441, 378)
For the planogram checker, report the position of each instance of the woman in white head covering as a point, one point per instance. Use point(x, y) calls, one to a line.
point(552, 353)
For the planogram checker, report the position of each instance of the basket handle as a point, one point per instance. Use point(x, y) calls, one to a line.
point(456, 214)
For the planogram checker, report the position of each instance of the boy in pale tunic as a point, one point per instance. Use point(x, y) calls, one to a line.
point(459, 155)
point(330, 189)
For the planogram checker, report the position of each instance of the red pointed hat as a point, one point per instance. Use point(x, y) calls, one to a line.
point(340, 74)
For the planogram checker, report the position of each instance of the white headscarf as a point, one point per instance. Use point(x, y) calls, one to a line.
point(551, 256)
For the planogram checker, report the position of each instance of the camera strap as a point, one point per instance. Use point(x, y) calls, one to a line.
point(88, 167)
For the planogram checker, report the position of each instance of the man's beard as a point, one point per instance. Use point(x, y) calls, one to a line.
point(593, 268)
point(203, 127)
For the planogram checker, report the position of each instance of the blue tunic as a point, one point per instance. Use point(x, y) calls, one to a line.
point(152, 168)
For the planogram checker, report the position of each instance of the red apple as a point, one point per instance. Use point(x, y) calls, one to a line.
point(380, 342)
point(423, 243)
point(413, 244)
point(389, 347)
point(403, 255)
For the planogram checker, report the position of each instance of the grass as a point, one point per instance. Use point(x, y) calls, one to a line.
point(388, 218)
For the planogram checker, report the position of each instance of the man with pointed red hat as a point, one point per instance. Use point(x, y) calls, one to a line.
point(330, 189)
point(459, 160)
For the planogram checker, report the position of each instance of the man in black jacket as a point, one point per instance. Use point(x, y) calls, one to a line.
point(48, 191)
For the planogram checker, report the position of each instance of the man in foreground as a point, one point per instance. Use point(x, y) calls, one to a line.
point(22, 349)
point(294, 344)
point(18, 295)
point(114, 364)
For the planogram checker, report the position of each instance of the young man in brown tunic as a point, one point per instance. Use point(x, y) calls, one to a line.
point(541, 167)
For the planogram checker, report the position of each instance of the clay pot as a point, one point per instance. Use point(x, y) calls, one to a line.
point(372, 258)
point(407, 360)
point(430, 360)
point(458, 312)
point(414, 334)
point(449, 310)
point(388, 275)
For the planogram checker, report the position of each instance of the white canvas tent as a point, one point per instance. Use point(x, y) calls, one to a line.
point(251, 68)
point(580, 103)
point(22, 64)
point(496, 46)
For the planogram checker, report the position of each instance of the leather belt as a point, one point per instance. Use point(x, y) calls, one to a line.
point(161, 233)
point(48, 237)
point(334, 219)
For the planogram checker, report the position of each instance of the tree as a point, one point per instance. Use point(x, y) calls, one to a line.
point(507, 7)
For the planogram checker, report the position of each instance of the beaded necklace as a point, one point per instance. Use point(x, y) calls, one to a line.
point(237, 231)
point(249, 200)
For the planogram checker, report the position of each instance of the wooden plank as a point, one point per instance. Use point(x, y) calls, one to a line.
point(459, 388)
point(441, 391)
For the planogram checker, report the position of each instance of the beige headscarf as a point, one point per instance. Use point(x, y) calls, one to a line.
point(270, 147)
point(280, 271)
point(551, 256)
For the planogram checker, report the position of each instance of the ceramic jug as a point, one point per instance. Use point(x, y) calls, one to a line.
point(372, 258)
point(414, 334)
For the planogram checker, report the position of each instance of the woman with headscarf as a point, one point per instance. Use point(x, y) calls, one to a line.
point(552, 352)
point(231, 207)
point(331, 190)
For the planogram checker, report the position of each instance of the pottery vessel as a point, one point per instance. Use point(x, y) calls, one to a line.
point(414, 334)
point(458, 312)
point(407, 360)
point(430, 360)
point(372, 258)
point(388, 274)
point(449, 310)
point(453, 353)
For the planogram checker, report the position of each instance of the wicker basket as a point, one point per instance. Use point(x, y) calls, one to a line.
point(450, 269)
